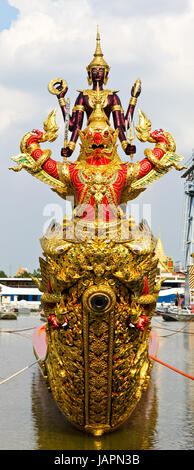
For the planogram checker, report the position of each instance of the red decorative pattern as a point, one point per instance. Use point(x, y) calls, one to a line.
point(143, 321)
point(81, 190)
point(52, 319)
point(34, 138)
point(36, 154)
point(146, 166)
point(146, 286)
point(51, 168)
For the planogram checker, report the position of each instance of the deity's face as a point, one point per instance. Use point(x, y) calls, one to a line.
point(98, 74)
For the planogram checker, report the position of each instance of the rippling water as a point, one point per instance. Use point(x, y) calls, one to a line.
point(30, 419)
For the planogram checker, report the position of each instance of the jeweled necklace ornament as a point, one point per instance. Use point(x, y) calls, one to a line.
point(99, 269)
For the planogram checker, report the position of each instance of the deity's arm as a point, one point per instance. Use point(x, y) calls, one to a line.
point(135, 92)
point(119, 123)
point(75, 122)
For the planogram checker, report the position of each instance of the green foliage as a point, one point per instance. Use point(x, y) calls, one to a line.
point(2, 274)
point(25, 274)
point(36, 273)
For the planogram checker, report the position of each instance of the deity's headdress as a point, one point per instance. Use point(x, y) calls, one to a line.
point(98, 61)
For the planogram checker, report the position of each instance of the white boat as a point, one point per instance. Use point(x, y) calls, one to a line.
point(173, 279)
point(20, 294)
point(173, 283)
point(178, 314)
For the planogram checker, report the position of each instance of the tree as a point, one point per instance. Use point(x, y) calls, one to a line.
point(36, 273)
point(2, 274)
point(25, 274)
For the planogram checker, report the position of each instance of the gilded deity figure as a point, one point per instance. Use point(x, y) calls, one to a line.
point(98, 270)
point(98, 71)
point(98, 176)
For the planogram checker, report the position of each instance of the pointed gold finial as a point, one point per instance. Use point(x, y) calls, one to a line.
point(98, 51)
point(98, 60)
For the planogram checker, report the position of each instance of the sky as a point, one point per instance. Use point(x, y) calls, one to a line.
point(43, 40)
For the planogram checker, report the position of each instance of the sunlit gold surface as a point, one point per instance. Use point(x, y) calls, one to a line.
point(97, 363)
point(98, 368)
point(57, 81)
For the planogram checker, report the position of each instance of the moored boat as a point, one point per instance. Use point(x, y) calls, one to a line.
point(7, 314)
point(178, 314)
point(21, 294)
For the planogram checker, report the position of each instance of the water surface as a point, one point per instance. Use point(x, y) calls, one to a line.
point(30, 419)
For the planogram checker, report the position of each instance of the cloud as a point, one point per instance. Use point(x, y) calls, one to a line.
point(50, 38)
point(140, 8)
point(15, 105)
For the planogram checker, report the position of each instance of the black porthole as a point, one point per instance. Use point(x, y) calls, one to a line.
point(99, 302)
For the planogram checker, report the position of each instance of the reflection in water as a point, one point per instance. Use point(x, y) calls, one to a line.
point(54, 432)
point(163, 419)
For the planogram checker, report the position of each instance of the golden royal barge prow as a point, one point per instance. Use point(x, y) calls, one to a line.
point(98, 269)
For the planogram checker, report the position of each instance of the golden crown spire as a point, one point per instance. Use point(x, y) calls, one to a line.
point(98, 51)
point(98, 60)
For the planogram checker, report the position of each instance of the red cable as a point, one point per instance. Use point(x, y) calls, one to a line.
point(173, 368)
point(170, 367)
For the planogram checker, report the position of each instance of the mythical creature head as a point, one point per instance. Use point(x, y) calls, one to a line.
point(98, 68)
point(98, 139)
point(98, 142)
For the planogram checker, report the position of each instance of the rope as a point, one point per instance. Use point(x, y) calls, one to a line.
point(177, 331)
point(15, 331)
point(172, 368)
point(151, 357)
point(19, 372)
point(167, 365)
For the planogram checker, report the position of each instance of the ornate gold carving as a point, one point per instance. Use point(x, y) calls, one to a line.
point(98, 378)
point(32, 166)
point(27, 162)
point(78, 107)
point(124, 144)
point(160, 167)
point(57, 81)
point(99, 290)
point(117, 107)
point(62, 102)
point(133, 101)
point(103, 96)
point(98, 284)
point(98, 61)
point(71, 145)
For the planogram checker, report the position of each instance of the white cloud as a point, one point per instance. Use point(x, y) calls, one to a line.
point(57, 38)
point(15, 105)
point(53, 38)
